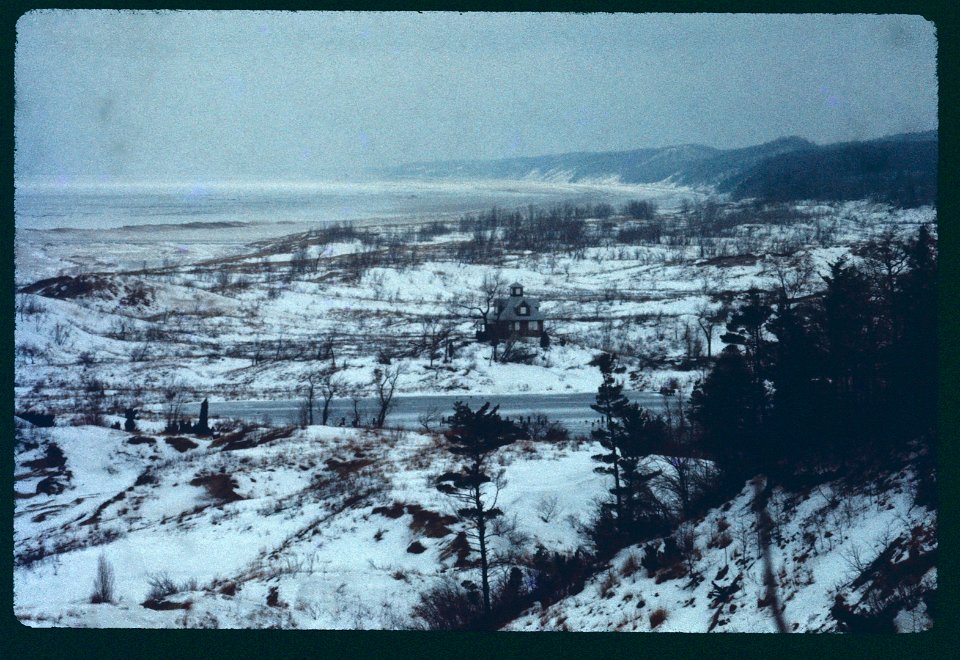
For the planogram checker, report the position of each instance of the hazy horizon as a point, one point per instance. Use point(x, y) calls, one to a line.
point(297, 96)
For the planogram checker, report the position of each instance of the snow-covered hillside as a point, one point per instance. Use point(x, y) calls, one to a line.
point(246, 325)
point(343, 524)
point(311, 526)
point(870, 546)
point(343, 528)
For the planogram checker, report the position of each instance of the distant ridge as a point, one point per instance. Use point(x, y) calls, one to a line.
point(905, 161)
point(899, 169)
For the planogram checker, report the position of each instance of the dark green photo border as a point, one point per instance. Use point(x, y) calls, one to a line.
point(18, 641)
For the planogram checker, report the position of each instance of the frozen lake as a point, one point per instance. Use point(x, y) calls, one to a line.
point(89, 204)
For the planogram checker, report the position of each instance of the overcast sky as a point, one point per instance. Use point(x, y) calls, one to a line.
point(294, 95)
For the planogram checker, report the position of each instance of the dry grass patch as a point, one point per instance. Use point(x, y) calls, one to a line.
point(459, 547)
point(429, 523)
point(345, 468)
point(416, 548)
point(607, 584)
point(181, 444)
point(657, 617)
point(219, 486)
point(631, 565)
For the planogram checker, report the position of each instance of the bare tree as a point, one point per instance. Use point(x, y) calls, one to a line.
point(483, 302)
point(709, 320)
point(330, 386)
point(300, 260)
point(793, 274)
point(356, 395)
point(681, 478)
point(174, 397)
point(325, 349)
point(257, 350)
point(429, 419)
point(693, 347)
point(434, 333)
point(312, 380)
point(384, 385)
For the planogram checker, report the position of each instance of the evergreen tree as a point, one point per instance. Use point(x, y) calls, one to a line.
point(130, 424)
point(474, 436)
point(798, 389)
point(722, 406)
point(202, 427)
point(849, 321)
point(644, 433)
point(914, 362)
point(746, 329)
point(613, 408)
point(627, 433)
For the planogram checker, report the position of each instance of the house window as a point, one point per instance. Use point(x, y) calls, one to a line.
point(524, 310)
point(516, 325)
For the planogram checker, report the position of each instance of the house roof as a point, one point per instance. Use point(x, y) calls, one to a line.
point(511, 307)
point(515, 285)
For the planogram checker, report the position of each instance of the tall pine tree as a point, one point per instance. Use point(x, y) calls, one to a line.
point(474, 436)
point(627, 433)
point(613, 408)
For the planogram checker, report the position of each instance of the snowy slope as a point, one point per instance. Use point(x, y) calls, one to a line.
point(824, 540)
point(315, 516)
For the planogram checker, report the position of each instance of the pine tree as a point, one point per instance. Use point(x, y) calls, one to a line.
point(474, 436)
point(915, 352)
point(849, 320)
point(798, 388)
point(613, 408)
point(722, 406)
point(746, 329)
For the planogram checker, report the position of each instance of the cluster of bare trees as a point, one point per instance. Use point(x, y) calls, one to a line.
point(321, 385)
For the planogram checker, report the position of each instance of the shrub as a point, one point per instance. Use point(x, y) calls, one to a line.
point(103, 584)
point(547, 507)
point(43, 420)
point(607, 584)
point(631, 565)
point(416, 548)
point(161, 586)
point(449, 606)
point(657, 617)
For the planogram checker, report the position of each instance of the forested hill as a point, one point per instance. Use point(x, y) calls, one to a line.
point(689, 163)
point(899, 168)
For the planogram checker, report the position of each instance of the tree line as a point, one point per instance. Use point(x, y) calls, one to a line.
point(804, 389)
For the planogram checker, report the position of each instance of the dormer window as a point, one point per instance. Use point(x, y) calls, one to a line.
point(524, 310)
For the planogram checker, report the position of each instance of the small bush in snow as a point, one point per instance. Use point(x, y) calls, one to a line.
point(657, 617)
point(631, 565)
point(103, 584)
point(547, 507)
point(450, 606)
point(161, 586)
point(607, 584)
